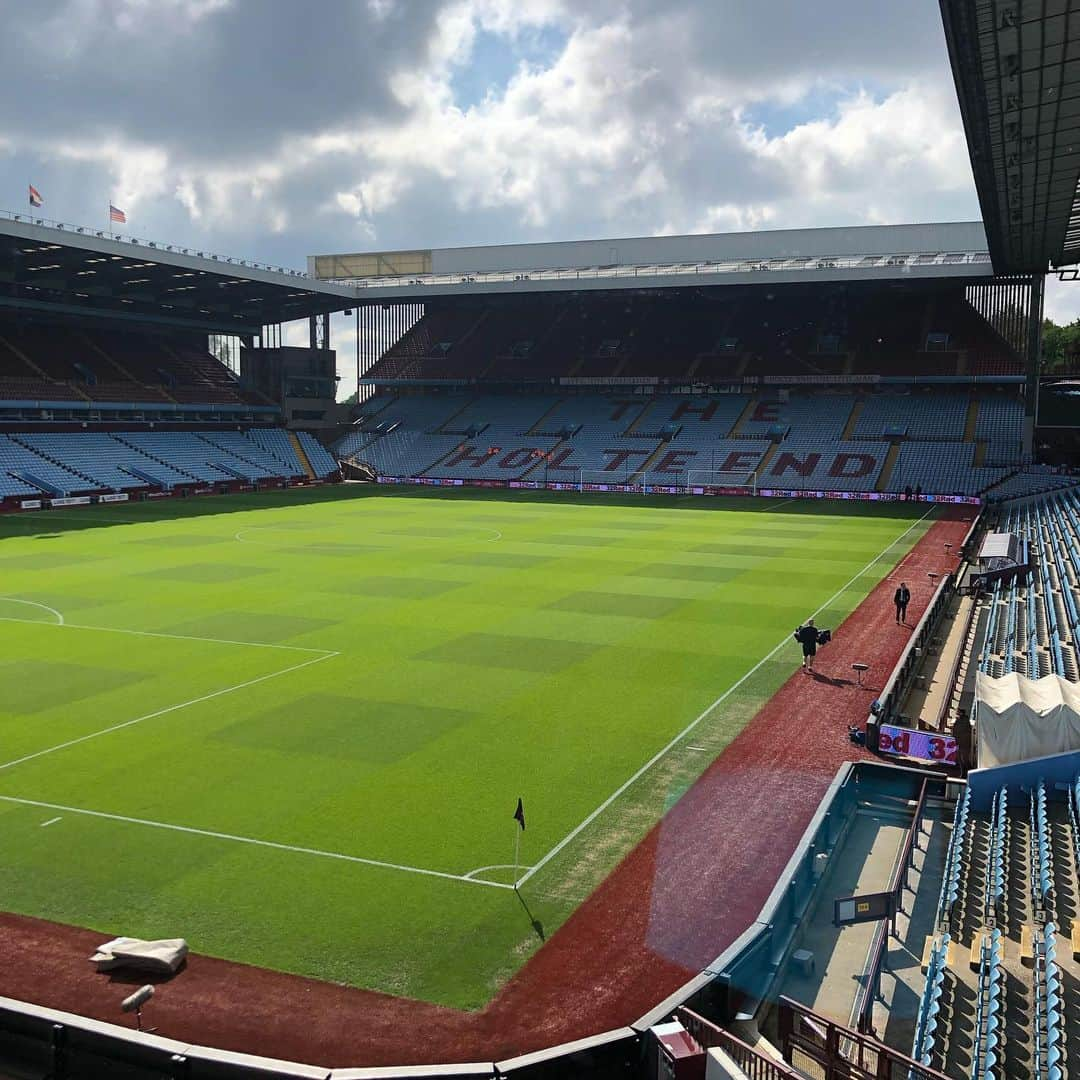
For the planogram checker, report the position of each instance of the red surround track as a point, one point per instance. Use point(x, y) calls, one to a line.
point(688, 890)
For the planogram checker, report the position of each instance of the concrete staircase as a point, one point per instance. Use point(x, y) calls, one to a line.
point(301, 455)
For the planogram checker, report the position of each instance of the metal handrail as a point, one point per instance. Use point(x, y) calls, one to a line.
point(756, 1065)
point(839, 1051)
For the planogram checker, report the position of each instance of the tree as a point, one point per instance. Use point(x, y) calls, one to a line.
point(1061, 346)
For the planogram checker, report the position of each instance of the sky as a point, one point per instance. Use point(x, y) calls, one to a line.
point(275, 129)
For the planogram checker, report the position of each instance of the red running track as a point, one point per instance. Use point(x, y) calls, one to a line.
point(689, 889)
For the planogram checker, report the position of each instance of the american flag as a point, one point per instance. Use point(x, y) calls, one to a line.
point(117, 215)
point(35, 196)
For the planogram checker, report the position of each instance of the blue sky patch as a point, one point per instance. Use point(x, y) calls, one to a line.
point(821, 102)
point(496, 58)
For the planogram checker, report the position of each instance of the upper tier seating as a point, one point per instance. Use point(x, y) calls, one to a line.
point(55, 363)
point(788, 332)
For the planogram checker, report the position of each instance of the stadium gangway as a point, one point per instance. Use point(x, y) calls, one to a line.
point(1049, 1035)
point(991, 630)
point(1050, 612)
point(984, 1058)
point(1032, 630)
point(994, 876)
point(926, 1021)
point(1009, 649)
point(950, 883)
point(1042, 866)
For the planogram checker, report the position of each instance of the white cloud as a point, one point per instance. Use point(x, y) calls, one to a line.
point(247, 128)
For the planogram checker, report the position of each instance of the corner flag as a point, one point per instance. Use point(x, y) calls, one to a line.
point(519, 815)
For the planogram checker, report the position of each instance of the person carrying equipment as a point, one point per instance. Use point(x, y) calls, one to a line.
point(807, 637)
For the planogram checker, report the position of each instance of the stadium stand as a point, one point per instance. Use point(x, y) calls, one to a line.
point(1033, 620)
point(787, 331)
point(58, 363)
point(19, 463)
point(823, 440)
point(322, 462)
point(1000, 887)
point(66, 463)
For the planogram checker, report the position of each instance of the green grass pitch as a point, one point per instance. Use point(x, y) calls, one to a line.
point(294, 727)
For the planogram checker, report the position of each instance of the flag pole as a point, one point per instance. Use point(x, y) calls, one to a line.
point(517, 846)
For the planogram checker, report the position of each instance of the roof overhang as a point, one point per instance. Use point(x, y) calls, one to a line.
point(953, 250)
point(1016, 64)
point(82, 272)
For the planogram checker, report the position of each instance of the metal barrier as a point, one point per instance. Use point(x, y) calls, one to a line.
point(819, 1047)
point(756, 1065)
point(902, 674)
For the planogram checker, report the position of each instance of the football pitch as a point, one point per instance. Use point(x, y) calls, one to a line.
point(293, 727)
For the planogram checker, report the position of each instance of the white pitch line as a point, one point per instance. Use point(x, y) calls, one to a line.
point(777, 504)
point(34, 603)
point(173, 637)
point(694, 723)
point(162, 712)
point(236, 839)
point(493, 866)
point(360, 545)
point(51, 821)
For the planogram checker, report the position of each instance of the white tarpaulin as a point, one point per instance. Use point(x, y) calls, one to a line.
point(162, 957)
point(1019, 718)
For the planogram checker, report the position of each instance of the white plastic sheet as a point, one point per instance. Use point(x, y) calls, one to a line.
point(1018, 718)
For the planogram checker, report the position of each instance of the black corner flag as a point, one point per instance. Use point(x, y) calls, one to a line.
point(519, 815)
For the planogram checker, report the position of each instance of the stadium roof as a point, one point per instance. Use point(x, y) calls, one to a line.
point(78, 271)
point(955, 250)
point(1016, 64)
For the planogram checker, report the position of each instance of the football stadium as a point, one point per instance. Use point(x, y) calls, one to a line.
point(665, 665)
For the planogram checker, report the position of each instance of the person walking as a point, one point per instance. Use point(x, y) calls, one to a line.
point(901, 598)
point(806, 636)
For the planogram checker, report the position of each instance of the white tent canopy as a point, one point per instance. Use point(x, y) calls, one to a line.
point(1019, 718)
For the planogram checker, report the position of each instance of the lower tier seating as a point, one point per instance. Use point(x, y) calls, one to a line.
point(832, 441)
point(58, 464)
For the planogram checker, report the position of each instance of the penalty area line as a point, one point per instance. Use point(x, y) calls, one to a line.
point(157, 634)
point(665, 750)
point(34, 603)
point(236, 839)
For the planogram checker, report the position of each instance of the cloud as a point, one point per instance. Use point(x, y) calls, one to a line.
point(256, 129)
